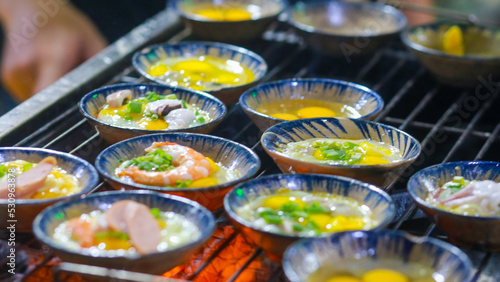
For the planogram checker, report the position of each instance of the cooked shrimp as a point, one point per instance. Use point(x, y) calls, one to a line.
point(189, 165)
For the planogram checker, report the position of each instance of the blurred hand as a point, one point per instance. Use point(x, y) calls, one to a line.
point(43, 43)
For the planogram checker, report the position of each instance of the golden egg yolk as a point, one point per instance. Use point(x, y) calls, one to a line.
point(214, 167)
point(237, 15)
point(150, 124)
point(329, 223)
point(284, 116)
point(203, 182)
point(453, 41)
point(343, 278)
point(275, 202)
point(386, 275)
point(223, 14)
point(315, 112)
point(113, 243)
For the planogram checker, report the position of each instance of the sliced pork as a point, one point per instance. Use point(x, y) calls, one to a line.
point(137, 222)
point(27, 183)
point(118, 98)
point(164, 107)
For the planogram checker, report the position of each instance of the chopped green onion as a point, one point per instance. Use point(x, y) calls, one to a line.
point(155, 212)
point(154, 117)
point(27, 166)
point(272, 219)
point(183, 184)
point(201, 119)
point(315, 208)
point(3, 170)
point(171, 96)
point(128, 118)
point(111, 234)
point(297, 227)
point(289, 207)
point(135, 107)
point(184, 105)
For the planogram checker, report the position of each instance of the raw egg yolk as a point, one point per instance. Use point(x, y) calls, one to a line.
point(343, 278)
point(385, 275)
point(453, 41)
point(203, 182)
point(284, 116)
point(237, 15)
point(221, 14)
point(214, 167)
point(149, 124)
point(315, 112)
point(275, 202)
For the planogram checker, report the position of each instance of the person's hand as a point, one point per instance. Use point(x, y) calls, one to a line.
point(42, 44)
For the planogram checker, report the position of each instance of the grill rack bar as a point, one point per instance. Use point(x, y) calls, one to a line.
point(491, 137)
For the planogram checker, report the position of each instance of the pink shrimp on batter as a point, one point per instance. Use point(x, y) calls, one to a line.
point(189, 165)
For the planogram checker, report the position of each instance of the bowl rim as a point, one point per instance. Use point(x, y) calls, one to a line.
point(131, 86)
point(110, 177)
point(362, 88)
point(402, 21)
point(308, 120)
point(205, 230)
point(182, 13)
point(391, 208)
point(90, 169)
point(416, 240)
point(246, 52)
point(412, 183)
point(434, 52)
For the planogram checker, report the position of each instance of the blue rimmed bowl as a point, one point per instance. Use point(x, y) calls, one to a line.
point(305, 257)
point(467, 231)
point(148, 56)
point(346, 29)
point(154, 263)
point(232, 155)
point(480, 63)
point(26, 210)
point(342, 128)
point(229, 31)
point(275, 244)
point(92, 103)
point(364, 100)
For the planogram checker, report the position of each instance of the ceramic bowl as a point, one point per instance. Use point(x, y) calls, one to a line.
point(305, 257)
point(26, 210)
point(481, 59)
point(232, 155)
point(229, 31)
point(143, 60)
point(467, 231)
point(342, 128)
point(154, 263)
point(275, 244)
point(93, 102)
point(346, 29)
point(364, 100)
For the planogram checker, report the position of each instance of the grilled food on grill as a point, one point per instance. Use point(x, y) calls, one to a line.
point(173, 165)
point(292, 109)
point(205, 73)
point(307, 213)
point(126, 228)
point(369, 270)
point(473, 198)
point(152, 112)
point(342, 151)
point(44, 180)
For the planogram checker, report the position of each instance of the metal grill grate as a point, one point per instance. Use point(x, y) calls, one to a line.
point(451, 124)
